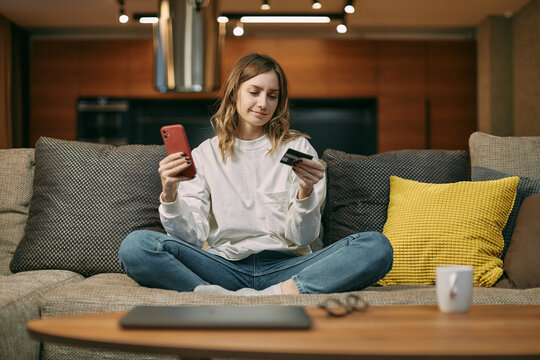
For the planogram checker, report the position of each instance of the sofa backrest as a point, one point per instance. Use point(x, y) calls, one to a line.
point(16, 177)
point(515, 155)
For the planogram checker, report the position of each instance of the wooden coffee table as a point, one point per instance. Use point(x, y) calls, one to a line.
point(491, 331)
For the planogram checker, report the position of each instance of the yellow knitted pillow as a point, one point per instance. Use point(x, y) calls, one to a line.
point(430, 225)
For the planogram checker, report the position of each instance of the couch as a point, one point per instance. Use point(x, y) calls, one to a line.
point(65, 206)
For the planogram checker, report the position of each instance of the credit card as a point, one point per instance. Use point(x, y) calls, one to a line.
point(292, 155)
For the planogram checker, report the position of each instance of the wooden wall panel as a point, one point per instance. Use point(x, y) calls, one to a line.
point(452, 120)
point(401, 123)
point(305, 62)
point(401, 120)
point(402, 68)
point(301, 59)
point(452, 68)
point(352, 68)
point(54, 73)
point(452, 93)
point(403, 75)
point(315, 67)
point(104, 67)
point(141, 68)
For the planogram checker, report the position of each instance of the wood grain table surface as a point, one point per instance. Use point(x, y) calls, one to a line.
point(382, 332)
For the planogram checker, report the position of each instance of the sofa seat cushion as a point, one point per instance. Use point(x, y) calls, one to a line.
point(20, 297)
point(117, 292)
point(16, 175)
point(86, 198)
point(24, 285)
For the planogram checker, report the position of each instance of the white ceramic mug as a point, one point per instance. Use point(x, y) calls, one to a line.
point(454, 288)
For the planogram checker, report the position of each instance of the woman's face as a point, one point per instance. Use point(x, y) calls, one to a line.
point(256, 103)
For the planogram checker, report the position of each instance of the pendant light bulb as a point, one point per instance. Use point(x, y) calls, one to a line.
point(239, 29)
point(265, 5)
point(349, 7)
point(341, 28)
point(123, 18)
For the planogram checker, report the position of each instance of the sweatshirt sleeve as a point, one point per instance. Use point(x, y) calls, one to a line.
point(187, 217)
point(303, 222)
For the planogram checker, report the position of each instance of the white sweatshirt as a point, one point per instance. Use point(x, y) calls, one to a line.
point(247, 205)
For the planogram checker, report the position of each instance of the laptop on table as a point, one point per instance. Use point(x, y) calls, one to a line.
point(217, 317)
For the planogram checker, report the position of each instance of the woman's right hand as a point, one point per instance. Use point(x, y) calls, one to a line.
point(169, 171)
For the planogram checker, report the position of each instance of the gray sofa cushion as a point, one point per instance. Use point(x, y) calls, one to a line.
point(117, 292)
point(526, 187)
point(359, 186)
point(20, 297)
point(87, 198)
point(516, 155)
point(52, 351)
point(16, 174)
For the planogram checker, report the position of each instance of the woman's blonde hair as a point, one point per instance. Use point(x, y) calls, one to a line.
point(225, 120)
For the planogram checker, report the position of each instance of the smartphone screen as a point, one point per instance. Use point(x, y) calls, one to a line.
point(175, 140)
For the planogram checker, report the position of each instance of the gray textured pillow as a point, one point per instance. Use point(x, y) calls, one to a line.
point(87, 198)
point(16, 173)
point(516, 155)
point(359, 186)
point(526, 187)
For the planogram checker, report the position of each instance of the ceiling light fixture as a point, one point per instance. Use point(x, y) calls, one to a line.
point(149, 20)
point(123, 18)
point(285, 19)
point(290, 18)
point(265, 5)
point(341, 28)
point(239, 29)
point(146, 18)
point(349, 7)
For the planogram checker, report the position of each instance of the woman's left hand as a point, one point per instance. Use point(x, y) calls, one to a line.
point(309, 172)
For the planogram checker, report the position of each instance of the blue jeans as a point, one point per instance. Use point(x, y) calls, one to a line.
point(157, 260)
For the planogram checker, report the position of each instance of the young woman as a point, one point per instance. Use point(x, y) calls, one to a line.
point(256, 215)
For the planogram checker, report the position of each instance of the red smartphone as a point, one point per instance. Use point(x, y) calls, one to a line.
point(175, 140)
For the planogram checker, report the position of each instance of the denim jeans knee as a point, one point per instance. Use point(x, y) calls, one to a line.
point(130, 248)
point(352, 263)
point(381, 250)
